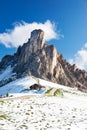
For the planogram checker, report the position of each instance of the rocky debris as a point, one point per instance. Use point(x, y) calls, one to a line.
point(36, 87)
point(43, 61)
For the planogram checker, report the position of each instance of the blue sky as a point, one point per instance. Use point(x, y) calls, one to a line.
point(69, 16)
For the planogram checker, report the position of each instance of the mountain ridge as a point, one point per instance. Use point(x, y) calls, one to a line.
point(42, 60)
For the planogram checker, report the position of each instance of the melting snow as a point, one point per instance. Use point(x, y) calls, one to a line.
point(44, 113)
point(41, 112)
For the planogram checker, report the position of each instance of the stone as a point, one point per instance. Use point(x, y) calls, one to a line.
point(36, 87)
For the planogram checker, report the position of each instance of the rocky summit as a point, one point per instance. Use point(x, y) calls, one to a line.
point(42, 60)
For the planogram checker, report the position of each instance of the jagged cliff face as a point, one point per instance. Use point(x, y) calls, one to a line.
point(35, 43)
point(42, 60)
point(36, 57)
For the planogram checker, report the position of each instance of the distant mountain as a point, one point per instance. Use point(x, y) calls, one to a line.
point(43, 61)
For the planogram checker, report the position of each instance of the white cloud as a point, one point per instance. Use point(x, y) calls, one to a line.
point(80, 58)
point(85, 46)
point(21, 33)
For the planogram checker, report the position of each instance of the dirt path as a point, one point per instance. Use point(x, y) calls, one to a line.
point(15, 98)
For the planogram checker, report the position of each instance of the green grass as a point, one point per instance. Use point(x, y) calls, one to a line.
point(1, 102)
point(58, 92)
point(7, 94)
point(24, 126)
point(48, 91)
point(3, 116)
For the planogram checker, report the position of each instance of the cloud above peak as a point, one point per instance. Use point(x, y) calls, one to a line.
point(80, 58)
point(22, 30)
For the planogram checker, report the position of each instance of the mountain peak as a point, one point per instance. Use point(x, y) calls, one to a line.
point(34, 44)
point(37, 33)
point(36, 40)
point(43, 61)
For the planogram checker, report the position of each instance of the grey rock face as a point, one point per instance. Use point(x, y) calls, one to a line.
point(42, 60)
point(36, 40)
point(6, 61)
point(35, 43)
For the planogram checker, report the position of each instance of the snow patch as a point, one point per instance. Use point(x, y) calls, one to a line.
point(6, 74)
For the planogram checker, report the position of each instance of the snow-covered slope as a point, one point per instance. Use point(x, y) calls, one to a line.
point(22, 86)
point(41, 112)
point(17, 86)
point(7, 73)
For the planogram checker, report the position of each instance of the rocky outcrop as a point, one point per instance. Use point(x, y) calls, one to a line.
point(34, 43)
point(42, 60)
point(6, 61)
point(37, 87)
point(77, 78)
point(36, 57)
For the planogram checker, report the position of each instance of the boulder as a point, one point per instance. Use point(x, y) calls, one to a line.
point(36, 87)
